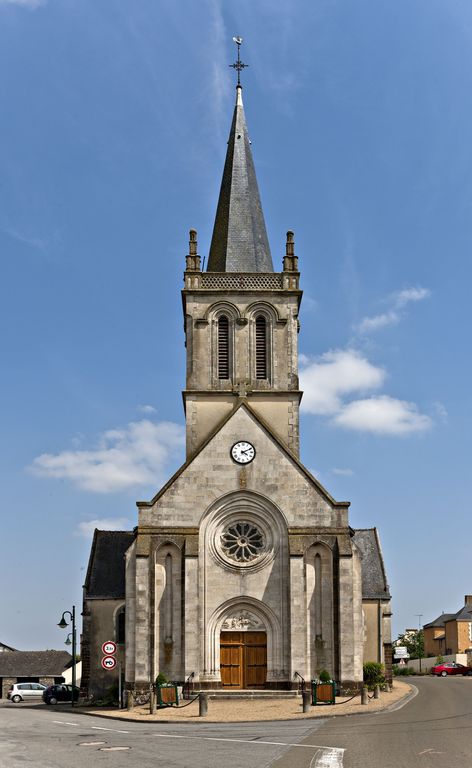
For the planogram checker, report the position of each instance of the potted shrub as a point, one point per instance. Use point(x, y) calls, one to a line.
point(323, 690)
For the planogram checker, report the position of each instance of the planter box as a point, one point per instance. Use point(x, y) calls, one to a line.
point(323, 693)
point(167, 695)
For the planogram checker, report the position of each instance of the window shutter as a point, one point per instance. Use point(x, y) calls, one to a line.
point(261, 348)
point(223, 347)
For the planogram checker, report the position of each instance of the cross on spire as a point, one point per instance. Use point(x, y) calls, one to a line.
point(238, 65)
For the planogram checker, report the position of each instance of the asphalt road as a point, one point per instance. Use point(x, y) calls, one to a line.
point(433, 729)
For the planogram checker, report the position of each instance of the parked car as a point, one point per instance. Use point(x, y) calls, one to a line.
point(25, 691)
point(60, 692)
point(450, 668)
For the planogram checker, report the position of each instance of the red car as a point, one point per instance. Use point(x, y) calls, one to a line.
point(450, 668)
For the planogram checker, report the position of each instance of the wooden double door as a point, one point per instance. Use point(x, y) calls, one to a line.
point(243, 659)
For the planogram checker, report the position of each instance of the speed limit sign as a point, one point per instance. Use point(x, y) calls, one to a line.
point(108, 662)
point(109, 648)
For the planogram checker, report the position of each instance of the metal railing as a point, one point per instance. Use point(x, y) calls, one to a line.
point(186, 686)
point(301, 682)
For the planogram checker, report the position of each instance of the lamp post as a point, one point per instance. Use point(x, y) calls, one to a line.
point(63, 624)
point(420, 616)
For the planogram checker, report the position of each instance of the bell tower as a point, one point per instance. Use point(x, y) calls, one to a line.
point(241, 317)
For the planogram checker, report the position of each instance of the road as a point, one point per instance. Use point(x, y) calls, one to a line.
point(433, 729)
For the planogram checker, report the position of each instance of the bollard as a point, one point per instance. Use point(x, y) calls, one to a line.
point(203, 705)
point(152, 702)
point(129, 700)
point(364, 696)
point(306, 701)
point(377, 692)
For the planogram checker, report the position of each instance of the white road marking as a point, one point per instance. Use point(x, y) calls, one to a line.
point(91, 743)
point(252, 742)
point(328, 757)
point(64, 722)
point(112, 749)
point(430, 752)
point(115, 730)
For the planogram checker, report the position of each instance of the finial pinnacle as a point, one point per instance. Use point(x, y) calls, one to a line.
point(238, 65)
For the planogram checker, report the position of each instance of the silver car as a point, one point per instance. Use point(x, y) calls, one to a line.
point(25, 691)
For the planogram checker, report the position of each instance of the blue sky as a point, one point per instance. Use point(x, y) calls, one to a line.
point(115, 118)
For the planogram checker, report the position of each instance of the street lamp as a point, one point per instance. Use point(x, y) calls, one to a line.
point(420, 651)
point(63, 624)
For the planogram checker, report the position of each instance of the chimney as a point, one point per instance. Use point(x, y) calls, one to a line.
point(468, 600)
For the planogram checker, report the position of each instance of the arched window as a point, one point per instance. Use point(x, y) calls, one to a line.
point(120, 626)
point(223, 347)
point(261, 347)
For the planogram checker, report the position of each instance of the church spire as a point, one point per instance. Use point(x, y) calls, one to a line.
point(239, 242)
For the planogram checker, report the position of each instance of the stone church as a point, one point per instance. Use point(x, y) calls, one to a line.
point(243, 570)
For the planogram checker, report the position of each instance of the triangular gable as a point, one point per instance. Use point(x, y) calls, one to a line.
point(243, 403)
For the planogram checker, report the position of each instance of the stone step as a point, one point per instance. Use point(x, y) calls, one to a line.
point(249, 694)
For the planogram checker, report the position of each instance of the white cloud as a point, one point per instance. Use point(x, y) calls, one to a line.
point(343, 472)
point(368, 324)
point(87, 527)
point(147, 409)
point(441, 411)
point(398, 301)
point(136, 455)
point(402, 298)
point(336, 374)
point(382, 415)
point(331, 384)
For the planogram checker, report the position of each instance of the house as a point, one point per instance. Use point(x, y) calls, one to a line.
point(6, 648)
point(449, 633)
point(46, 667)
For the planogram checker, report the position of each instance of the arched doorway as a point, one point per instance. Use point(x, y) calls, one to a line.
point(243, 659)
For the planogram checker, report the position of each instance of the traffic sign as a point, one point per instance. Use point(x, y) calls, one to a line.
point(108, 662)
point(401, 652)
point(109, 648)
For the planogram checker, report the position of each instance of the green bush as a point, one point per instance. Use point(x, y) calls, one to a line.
point(161, 679)
point(403, 671)
point(439, 659)
point(324, 676)
point(373, 674)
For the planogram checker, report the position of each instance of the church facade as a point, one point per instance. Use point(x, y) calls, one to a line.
point(242, 571)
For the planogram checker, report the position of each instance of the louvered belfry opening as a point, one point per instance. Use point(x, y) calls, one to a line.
point(223, 347)
point(261, 348)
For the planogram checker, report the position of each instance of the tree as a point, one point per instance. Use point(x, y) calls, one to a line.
point(413, 642)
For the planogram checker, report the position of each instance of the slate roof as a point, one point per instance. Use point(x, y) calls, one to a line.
point(440, 621)
point(6, 648)
point(374, 581)
point(465, 614)
point(239, 242)
point(34, 663)
point(106, 569)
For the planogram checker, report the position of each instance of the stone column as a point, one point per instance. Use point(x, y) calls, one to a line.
point(298, 652)
point(142, 621)
point(350, 620)
point(191, 628)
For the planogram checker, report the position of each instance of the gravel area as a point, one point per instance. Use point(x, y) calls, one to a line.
point(246, 710)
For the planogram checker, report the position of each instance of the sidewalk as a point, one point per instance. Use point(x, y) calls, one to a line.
point(246, 710)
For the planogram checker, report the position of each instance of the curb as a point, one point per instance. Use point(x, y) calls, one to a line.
point(204, 720)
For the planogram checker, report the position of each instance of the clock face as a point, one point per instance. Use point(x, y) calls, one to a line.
point(243, 452)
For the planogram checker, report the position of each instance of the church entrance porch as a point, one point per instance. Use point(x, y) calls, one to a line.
point(243, 659)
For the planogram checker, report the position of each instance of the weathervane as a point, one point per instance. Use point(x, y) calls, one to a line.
point(239, 64)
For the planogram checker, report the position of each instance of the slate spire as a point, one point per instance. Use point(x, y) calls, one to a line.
point(239, 242)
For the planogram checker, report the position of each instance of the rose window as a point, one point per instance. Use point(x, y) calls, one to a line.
point(242, 542)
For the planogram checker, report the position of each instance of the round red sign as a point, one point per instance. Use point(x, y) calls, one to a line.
point(109, 648)
point(108, 662)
